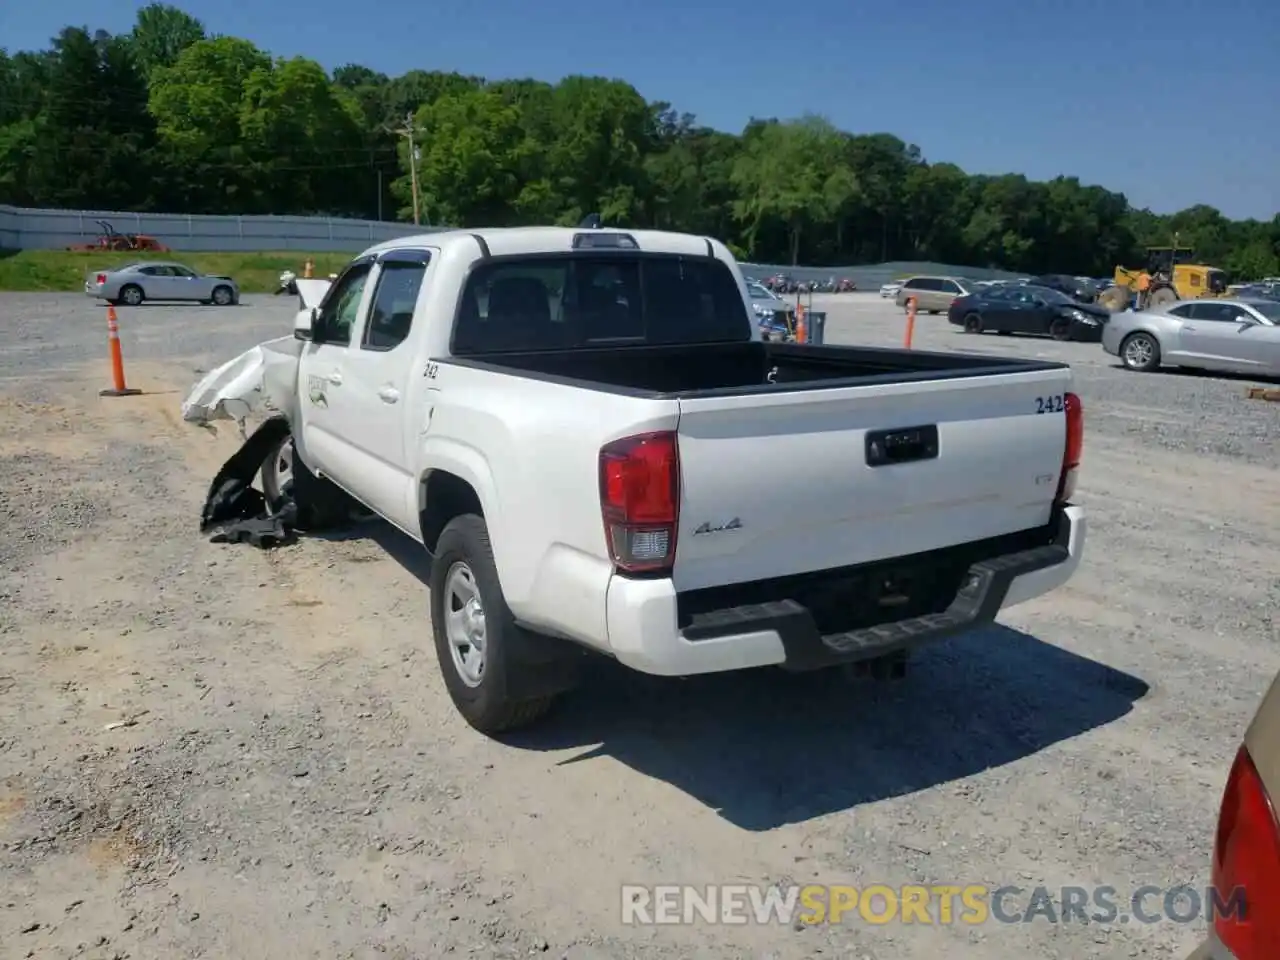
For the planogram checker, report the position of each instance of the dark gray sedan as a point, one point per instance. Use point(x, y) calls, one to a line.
point(1228, 336)
point(159, 280)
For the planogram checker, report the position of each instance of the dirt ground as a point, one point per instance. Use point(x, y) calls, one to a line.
point(211, 751)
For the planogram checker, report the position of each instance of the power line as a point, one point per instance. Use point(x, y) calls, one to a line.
point(408, 131)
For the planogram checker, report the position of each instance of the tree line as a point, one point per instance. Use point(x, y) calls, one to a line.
point(172, 118)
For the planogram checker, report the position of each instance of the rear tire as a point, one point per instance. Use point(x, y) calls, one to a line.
point(973, 323)
point(475, 632)
point(131, 295)
point(1161, 296)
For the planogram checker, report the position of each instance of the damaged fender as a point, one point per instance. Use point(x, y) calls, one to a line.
point(263, 380)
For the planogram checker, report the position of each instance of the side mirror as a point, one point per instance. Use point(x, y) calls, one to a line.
point(305, 324)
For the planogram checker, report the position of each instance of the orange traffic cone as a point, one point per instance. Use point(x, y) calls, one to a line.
point(118, 388)
point(801, 329)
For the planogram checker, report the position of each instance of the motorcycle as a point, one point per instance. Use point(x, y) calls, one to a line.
point(288, 283)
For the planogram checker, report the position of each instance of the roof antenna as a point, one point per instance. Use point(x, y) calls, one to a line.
point(592, 222)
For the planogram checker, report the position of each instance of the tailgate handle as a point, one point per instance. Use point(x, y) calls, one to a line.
point(903, 445)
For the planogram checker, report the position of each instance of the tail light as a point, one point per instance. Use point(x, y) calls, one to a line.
point(1246, 866)
point(1072, 449)
point(640, 501)
point(101, 279)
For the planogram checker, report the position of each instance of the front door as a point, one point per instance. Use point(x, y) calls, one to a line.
point(379, 370)
point(1214, 336)
point(325, 407)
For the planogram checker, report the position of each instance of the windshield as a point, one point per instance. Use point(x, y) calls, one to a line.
point(577, 300)
point(759, 292)
point(1268, 308)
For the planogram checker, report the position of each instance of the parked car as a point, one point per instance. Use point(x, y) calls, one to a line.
point(891, 288)
point(1028, 309)
point(934, 294)
point(766, 304)
point(1246, 850)
point(1077, 288)
point(590, 449)
point(154, 280)
point(1230, 336)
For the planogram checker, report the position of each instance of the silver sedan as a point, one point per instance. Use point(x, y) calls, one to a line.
point(157, 280)
point(1227, 336)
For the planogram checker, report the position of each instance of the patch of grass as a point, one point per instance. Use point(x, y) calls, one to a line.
point(62, 271)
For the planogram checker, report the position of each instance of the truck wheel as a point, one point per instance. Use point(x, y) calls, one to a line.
point(1139, 351)
point(285, 477)
point(474, 631)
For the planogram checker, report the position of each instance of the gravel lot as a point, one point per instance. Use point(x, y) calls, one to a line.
point(291, 780)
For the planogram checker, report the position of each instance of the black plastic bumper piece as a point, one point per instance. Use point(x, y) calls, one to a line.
point(981, 591)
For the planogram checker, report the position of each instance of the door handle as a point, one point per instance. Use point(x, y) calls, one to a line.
point(389, 394)
point(1188, 328)
point(336, 378)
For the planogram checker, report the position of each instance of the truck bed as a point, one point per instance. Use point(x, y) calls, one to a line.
point(736, 369)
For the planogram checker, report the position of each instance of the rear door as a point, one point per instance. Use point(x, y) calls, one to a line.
point(157, 283)
point(781, 484)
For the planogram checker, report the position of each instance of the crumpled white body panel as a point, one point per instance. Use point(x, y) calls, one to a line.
point(261, 380)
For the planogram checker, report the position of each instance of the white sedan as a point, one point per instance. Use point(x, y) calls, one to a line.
point(891, 288)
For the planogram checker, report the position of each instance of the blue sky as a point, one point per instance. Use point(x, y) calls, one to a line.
point(1030, 86)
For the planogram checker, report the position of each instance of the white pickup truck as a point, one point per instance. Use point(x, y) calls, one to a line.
point(587, 434)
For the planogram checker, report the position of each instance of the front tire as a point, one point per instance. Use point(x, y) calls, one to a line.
point(1140, 352)
point(223, 296)
point(1060, 329)
point(475, 632)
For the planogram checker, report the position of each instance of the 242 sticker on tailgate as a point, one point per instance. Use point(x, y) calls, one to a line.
point(1051, 404)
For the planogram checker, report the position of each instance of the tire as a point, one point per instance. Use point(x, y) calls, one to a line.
point(285, 477)
point(1139, 351)
point(477, 684)
point(277, 473)
point(131, 295)
point(1114, 299)
point(1060, 329)
point(223, 296)
point(1160, 296)
point(973, 323)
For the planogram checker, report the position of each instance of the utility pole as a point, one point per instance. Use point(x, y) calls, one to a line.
point(408, 131)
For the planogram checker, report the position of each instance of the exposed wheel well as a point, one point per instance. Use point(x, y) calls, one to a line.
point(444, 496)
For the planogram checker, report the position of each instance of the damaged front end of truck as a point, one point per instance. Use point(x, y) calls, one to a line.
point(261, 385)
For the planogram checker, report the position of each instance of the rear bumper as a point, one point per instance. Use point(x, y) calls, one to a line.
point(657, 631)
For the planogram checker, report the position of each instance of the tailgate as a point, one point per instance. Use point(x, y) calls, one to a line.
point(781, 484)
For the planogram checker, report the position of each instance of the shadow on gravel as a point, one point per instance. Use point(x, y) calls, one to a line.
point(1196, 374)
point(767, 748)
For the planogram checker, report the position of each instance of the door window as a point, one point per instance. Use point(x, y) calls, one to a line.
point(949, 286)
point(1217, 312)
point(394, 300)
point(342, 304)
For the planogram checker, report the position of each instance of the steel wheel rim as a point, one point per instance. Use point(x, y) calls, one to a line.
point(282, 465)
point(464, 624)
point(1137, 352)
